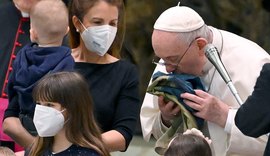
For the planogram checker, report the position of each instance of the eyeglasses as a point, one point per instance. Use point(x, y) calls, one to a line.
point(156, 60)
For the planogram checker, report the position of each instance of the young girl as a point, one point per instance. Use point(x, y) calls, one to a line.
point(190, 143)
point(64, 118)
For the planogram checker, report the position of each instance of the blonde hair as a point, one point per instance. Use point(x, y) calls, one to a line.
point(49, 18)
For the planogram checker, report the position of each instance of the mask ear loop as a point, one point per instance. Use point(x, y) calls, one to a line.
point(63, 115)
point(82, 24)
point(63, 110)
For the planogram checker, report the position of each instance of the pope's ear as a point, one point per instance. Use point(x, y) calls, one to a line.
point(201, 43)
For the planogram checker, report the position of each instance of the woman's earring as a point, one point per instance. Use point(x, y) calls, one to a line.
point(77, 30)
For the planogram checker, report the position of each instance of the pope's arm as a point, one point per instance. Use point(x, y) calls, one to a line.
point(150, 115)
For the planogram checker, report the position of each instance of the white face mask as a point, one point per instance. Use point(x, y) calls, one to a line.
point(48, 121)
point(98, 38)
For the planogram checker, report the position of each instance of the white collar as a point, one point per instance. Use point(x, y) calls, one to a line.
point(24, 14)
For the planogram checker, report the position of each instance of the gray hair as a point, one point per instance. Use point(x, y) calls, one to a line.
point(188, 37)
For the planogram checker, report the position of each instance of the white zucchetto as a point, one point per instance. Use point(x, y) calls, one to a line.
point(179, 19)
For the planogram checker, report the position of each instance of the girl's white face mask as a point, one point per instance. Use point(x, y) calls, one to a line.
point(98, 39)
point(48, 121)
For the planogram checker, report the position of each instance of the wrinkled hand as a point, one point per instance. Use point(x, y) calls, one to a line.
point(209, 107)
point(169, 110)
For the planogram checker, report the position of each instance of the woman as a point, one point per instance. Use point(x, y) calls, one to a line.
point(64, 118)
point(96, 35)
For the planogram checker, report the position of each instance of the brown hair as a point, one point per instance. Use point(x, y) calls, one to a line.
point(71, 91)
point(79, 8)
point(188, 145)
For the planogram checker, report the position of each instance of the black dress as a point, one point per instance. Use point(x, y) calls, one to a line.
point(115, 91)
point(73, 150)
point(253, 117)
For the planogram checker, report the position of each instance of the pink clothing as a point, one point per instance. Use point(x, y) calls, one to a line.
point(3, 136)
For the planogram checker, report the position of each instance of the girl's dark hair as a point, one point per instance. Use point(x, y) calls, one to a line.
point(188, 145)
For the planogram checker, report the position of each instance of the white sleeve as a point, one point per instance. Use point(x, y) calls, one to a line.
point(230, 120)
point(150, 115)
point(247, 145)
point(231, 128)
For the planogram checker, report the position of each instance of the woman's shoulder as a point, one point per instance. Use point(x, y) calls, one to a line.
point(126, 65)
point(127, 68)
